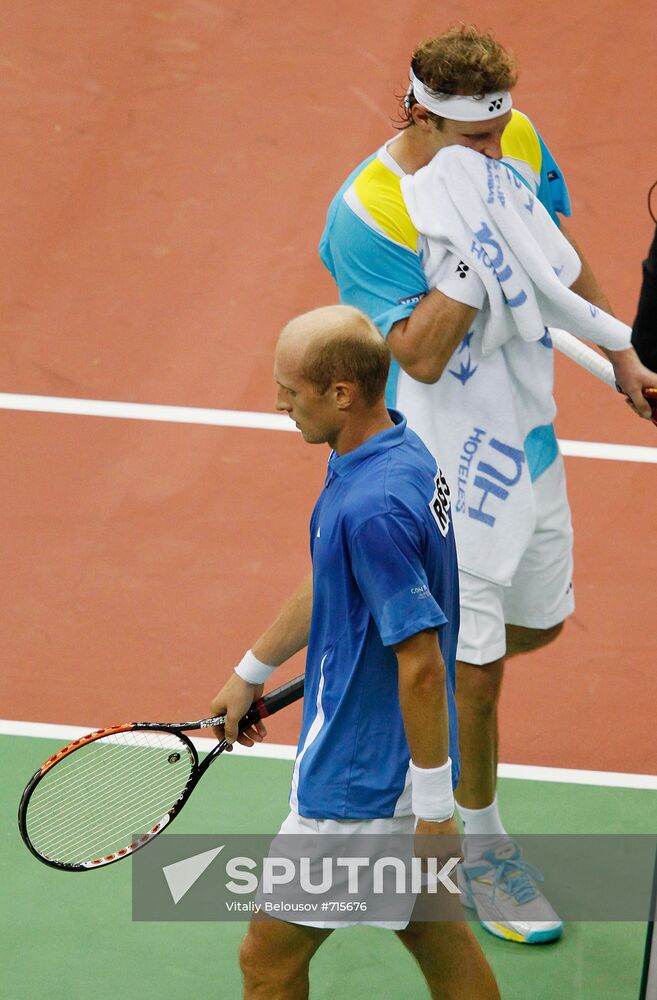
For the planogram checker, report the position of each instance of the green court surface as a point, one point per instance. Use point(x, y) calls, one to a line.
point(71, 935)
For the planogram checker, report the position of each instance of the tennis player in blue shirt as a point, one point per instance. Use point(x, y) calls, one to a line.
point(378, 749)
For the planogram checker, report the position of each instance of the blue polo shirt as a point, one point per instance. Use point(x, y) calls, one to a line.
point(384, 568)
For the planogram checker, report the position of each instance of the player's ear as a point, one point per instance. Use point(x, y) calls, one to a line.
point(421, 117)
point(345, 393)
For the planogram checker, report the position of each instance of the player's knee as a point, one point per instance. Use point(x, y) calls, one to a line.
point(248, 957)
point(257, 972)
point(478, 686)
point(524, 640)
point(266, 978)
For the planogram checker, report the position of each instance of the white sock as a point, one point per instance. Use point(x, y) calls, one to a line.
point(483, 830)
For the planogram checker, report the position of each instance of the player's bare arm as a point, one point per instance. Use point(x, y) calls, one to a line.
point(287, 634)
point(425, 341)
point(423, 700)
point(586, 284)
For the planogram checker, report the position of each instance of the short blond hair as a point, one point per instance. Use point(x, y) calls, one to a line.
point(341, 343)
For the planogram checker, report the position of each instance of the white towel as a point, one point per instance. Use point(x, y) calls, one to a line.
point(489, 416)
point(478, 209)
point(475, 420)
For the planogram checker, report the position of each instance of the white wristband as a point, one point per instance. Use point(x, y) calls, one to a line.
point(252, 670)
point(432, 793)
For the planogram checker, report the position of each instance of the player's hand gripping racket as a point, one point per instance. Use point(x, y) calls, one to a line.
point(82, 808)
point(595, 364)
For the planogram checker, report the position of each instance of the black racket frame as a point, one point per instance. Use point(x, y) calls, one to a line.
point(270, 703)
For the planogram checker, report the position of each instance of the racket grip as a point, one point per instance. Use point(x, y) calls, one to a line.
point(650, 395)
point(273, 702)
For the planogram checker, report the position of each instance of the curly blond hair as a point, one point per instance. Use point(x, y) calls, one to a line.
point(463, 60)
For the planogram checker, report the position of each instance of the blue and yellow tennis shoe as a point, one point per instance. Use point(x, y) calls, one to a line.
point(502, 887)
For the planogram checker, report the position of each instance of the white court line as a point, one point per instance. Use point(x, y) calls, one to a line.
point(66, 734)
point(283, 751)
point(146, 411)
point(576, 776)
point(615, 452)
point(258, 421)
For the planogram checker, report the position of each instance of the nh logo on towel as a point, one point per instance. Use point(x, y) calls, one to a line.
point(494, 481)
point(494, 258)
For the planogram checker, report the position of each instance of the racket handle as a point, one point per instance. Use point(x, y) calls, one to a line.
point(584, 356)
point(273, 702)
point(650, 395)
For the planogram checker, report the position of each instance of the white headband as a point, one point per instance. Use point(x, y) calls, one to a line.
point(459, 108)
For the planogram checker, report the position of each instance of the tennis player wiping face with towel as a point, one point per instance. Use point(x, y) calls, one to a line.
point(378, 751)
point(442, 379)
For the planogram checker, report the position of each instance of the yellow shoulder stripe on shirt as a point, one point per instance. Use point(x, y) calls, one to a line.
point(379, 192)
point(520, 142)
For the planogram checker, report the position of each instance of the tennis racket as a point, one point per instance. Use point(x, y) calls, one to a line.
point(594, 363)
point(108, 794)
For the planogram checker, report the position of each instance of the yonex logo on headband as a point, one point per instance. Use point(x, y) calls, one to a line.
point(461, 108)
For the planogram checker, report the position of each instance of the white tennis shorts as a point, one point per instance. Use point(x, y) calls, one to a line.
point(541, 592)
point(312, 831)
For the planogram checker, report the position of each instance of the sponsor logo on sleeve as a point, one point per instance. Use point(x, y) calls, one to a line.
point(440, 503)
point(411, 300)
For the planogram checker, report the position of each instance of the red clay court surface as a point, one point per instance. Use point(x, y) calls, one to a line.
point(167, 168)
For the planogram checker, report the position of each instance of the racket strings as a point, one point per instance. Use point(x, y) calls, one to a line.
point(92, 802)
point(117, 804)
point(103, 837)
point(80, 777)
point(87, 836)
point(52, 819)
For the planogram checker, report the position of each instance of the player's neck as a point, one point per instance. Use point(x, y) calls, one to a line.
point(356, 432)
point(411, 151)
